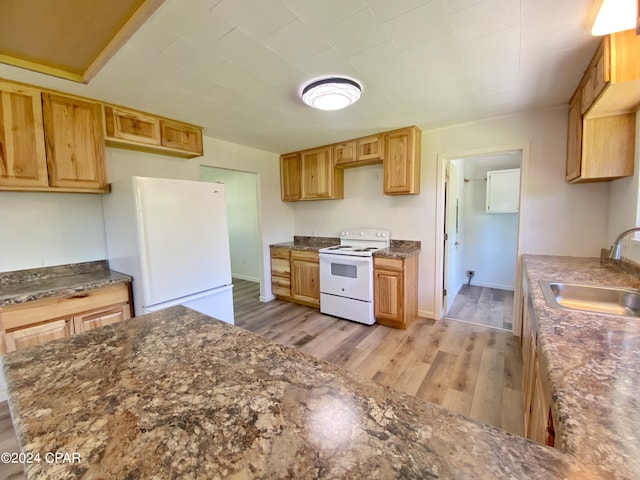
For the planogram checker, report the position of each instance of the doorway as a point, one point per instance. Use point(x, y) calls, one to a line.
point(241, 190)
point(481, 218)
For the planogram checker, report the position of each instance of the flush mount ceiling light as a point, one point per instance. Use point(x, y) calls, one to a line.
point(615, 16)
point(331, 93)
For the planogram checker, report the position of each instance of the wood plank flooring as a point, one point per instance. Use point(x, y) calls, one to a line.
point(483, 306)
point(466, 368)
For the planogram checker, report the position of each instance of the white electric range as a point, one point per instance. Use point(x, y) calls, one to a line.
point(346, 274)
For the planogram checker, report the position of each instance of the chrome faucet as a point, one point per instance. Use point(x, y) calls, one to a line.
point(614, 251)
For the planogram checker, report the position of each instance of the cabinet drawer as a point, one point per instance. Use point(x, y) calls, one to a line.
point(277, 252)
point(281, 286)
point(51, 308)
point(305, 255)
point(388, 263)
point(280, 267)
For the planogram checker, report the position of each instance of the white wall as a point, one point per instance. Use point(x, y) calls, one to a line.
point(558, 218)
point(241, 189)
point(490, 239)
point(46, 229)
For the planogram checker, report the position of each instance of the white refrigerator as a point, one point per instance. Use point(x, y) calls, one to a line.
point(172, 237)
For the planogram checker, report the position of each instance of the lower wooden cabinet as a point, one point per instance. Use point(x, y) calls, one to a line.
point(305, 277)
point(395, 290)
point(41, 321)
point(36, 335)
point(538, 416)
point(295, 275)
point(100, 318)
point(281, 272)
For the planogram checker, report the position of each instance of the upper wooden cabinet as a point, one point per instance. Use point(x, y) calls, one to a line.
point(181, 137)
point(23, 161)
point(290, 180)
point(601, 124)
point(402, 161)
point(345, 153)
point(370, 148)
point(141, 131)
point(320, 180)
point(129, 126)
point(358, 152)
point(316, 174)
point(75, 143)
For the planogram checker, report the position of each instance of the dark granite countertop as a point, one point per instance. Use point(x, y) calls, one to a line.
point(177, 394)
point(397, 248)
point(27, 285)
point(593, 367)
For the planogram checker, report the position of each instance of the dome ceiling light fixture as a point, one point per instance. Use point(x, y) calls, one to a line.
point(331, 93)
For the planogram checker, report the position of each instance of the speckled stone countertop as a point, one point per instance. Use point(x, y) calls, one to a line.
point(26, 285)
point(177, 394)
point(593, 368)
point(397, 248)
point(309, 243)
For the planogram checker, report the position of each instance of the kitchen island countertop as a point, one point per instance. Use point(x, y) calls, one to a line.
point(177, 394)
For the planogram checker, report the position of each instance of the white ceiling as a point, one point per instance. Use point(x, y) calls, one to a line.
point(236, 67)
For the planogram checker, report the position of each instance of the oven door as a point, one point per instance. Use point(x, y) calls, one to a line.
point(347, 276)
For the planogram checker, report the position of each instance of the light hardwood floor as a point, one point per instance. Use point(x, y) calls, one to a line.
point(466, 368)
point(483, 306)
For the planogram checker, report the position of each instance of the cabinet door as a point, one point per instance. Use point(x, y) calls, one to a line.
point(181, 136)
point(131, 126)
point(541, 423)
point(574, 140)
point(36, 335)
point(75, 143)
point(100, 318)
point(387, 295)
point(503, 191)
point(23, 162)
point(305, 277)
point(290, 181)
point(402, 162)
point(317, 173)
point(345, 152)
point(370, 148)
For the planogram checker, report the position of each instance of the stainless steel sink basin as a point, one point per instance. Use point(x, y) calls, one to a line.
point(588, 298)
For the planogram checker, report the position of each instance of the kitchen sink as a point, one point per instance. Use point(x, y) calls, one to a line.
point(588, 298)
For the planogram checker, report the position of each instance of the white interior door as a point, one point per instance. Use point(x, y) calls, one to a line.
point(451, 230)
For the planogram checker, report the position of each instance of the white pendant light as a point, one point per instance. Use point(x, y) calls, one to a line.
point(615, 16)
point(331, 93)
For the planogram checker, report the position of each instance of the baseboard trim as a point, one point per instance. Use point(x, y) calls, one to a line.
point(265, 298)
point(426, 314)
point(245, 277)
point(492, 285)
